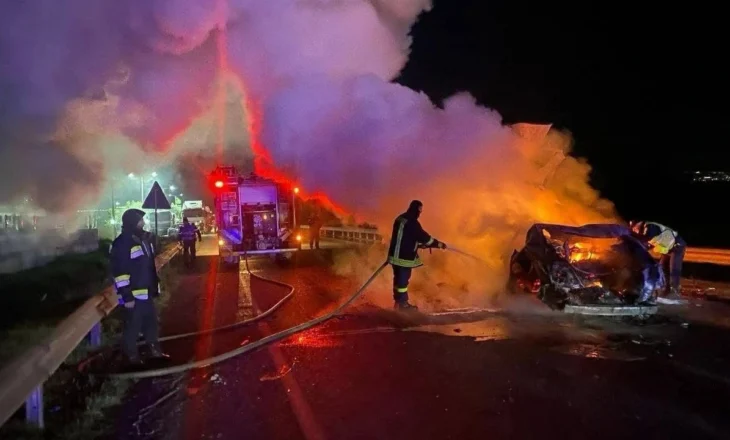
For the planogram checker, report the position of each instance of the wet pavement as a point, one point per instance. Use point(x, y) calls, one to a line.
point(516, 370)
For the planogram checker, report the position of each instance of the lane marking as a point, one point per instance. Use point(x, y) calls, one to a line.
point(308, 424)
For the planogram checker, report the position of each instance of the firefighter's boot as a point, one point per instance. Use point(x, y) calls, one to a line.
point(133, 363)
point(673, 294)
point(405, 306)
point(156, 353)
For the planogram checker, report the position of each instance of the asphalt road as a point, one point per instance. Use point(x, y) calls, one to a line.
point(517, 371)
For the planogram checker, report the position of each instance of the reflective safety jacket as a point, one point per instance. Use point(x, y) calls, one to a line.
point(661, 238)
point(188, 232)
point(406, 237)
point(133, 268)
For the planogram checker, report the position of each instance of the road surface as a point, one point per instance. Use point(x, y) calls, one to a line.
point(518, 371)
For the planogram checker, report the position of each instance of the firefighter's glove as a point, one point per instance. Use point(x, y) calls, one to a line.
point(439, 244)
point(129, 305)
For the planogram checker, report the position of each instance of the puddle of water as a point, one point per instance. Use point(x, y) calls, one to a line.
point(597, 351)
point(311, 340)
point(487, 330)
point(463, 311)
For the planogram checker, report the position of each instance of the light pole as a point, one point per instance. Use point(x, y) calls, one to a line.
point(294, 207)
point(141, 183)
point(114, 216)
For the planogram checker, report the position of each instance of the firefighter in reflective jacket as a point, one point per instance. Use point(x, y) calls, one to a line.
point(407, 237)
point(669, 245)
point(187, 234)
point(137, 284)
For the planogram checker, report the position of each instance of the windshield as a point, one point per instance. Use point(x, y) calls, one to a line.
point(193, 212)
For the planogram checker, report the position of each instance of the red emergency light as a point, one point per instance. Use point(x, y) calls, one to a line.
point(219, 184)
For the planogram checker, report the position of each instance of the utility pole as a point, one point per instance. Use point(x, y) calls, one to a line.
point(114, 214)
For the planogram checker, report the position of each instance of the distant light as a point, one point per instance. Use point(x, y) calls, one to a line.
point(112, 222)
point(117, 203)
point(219, 184)
point(180, 194)
point(296, 190)
point(154, 174)
point(172, 188)
point(299, 237)
point(131, 175)
point(266, 217)
point(221, 242)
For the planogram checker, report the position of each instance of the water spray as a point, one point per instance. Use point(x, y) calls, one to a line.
point(466, 254)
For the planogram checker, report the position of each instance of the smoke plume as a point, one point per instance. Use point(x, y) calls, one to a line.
point(84, 81)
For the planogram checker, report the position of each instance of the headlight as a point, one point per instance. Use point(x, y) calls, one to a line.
point(299, 237)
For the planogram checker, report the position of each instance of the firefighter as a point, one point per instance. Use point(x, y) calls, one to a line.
point(187, 235)
point(670, 246)
point(315, 225)
point(137, 284)
point(407, 237)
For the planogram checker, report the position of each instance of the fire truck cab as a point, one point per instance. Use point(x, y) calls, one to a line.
point(253, 216)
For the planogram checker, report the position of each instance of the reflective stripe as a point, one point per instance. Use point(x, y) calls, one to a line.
point(405, 263)
point(401, 289)
point(136, 252)
point(429, 242)
point(140, 294)
point(665, 241)
point(396, 251)
point(121, 281)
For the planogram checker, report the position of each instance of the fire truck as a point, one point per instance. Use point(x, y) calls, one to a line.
point(253, 215)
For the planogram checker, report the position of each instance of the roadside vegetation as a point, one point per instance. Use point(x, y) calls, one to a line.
point(77, 406)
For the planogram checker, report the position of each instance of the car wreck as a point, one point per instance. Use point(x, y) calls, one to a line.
point(596, 264)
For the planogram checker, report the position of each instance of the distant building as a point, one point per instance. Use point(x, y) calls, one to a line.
point(710, 176)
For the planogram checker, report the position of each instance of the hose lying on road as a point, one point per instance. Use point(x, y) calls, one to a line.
point(249, 347)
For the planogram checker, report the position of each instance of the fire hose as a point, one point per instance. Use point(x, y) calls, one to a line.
point(249, 347)
point(164, 371)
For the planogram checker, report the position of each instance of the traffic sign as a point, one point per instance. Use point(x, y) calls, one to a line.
point(156, 198)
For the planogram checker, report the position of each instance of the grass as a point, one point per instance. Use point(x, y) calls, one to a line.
point(77, 405)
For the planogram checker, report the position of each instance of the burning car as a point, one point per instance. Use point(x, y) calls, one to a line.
point(596, 264)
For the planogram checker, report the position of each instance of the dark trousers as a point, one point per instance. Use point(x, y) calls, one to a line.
point(189, 251)
point(672, 264)
point(401, 276)
point(141, 318)
point(313, 238)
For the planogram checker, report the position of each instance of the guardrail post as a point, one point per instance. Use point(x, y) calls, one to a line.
point(34, 407)
point(95, 335)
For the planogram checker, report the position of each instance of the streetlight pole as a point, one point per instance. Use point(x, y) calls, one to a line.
point(294, 207)
point(114, 216)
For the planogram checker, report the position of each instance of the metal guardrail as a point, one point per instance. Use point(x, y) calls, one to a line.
point(349, 234)
point(714, 256)
point(22, 379)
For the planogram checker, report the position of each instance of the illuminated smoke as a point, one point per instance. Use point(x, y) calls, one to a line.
point(316, 76)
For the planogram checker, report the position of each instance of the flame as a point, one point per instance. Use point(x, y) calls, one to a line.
point(581, 252)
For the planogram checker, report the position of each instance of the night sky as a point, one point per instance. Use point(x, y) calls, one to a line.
point(636, 86)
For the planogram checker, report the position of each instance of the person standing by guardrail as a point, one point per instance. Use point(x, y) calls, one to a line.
point(407, 237)
point(187, 235)
point(136, 281)
point(315, 226)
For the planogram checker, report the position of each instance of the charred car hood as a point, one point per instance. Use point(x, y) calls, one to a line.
point(595, 263)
